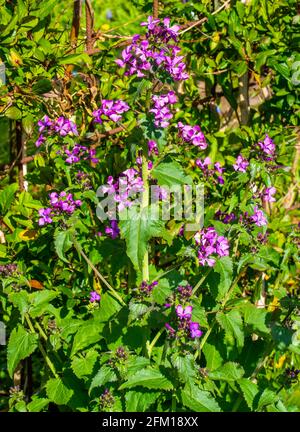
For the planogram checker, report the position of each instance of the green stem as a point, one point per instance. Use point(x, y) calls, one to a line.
point(110, 288)
point(151, 346)
point(145, 203)
point(41, 348)
point(198, 285)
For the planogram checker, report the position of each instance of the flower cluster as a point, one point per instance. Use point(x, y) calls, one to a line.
point(152, 148)
point(106, 400)
point(161, 110)
point(267, 195)
point(94, 297)
point(146, 288)
point(79, 153)
point(211, 170)
point(110, 110)
point(61, 126)
point(258, 218)
point(8, 269)
point(62, 203)
point(192, 134)
point(224, 217)
point(241, 164)
point(113, 230)
point(126, 186)
point(210, 243)
point(185, 325)
point(83, 179)
point(267, 147)
point(157, 51)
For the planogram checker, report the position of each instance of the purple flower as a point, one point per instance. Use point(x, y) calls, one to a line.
point(210, 243)
point(94, 296)
point(41, 139)
point(258, 217)
point(268, 193)
point(45, 124)
point(195, 332)
point(45, 216)
point(241, 164)
point(267, 146)
point(65, 127)
point(192, 134)
point(113, 231)
point(152, 148)
point(184, 313)
point(170, 329)
point(110, 110)
point(161, 111)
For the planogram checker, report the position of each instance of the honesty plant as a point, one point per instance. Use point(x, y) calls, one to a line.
point(124, 309)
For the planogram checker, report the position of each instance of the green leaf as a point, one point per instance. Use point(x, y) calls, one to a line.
point(137, 230)
point(42, 86)
point(135, 364)
point(255, 317)
point(89, 333)
point(199, 400)
point(267, 397)
point(75, 59)
point(105, 375)
point(40, 301)
point(249, 390)
point(186, 367)
point(224, 268)
point(170, 174)
point(58, 392)
point(140, 401)
point(20, 345)
point(232, 324)
point(37, 404)
point(228, 372)
point(83, 366)
point(7, 197)
point(149, 378)
point(62, 242)
point(13, 113)
point(212, 356)
point(20, 300)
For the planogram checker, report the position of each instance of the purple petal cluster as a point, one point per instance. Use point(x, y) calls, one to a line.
point(110, 110)
point(241, 164)
point(152, 148)
point(185, 325)
point(268, 193)
point(210, 244)
point(113, 230)
point(211, 170)
point(193, 135)
point(94, 297)
point(258, 217)
point(157, 51)
point(59, 204)
point(161, 109)
point(79, 153)
point(267, 147)
point(126, 186)
point(60, 126)
point(146, 288)
point(224, 217)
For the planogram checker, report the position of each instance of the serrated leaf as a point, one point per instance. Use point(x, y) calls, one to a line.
point(105, 375)
point(228, 372)
point(89, 333)
point(249, 390)
point(212, 356)
point(140, 401)
point(62, 242)
point(170, 174)
point(186, 367)
point(232, 324)
point(255, 317)
point(149, 378)
point(225, 269)
point(83, 366)
point(37, 404)
point(58, 392)
point(20, 345)
point(137, 230)
point(199, 400)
